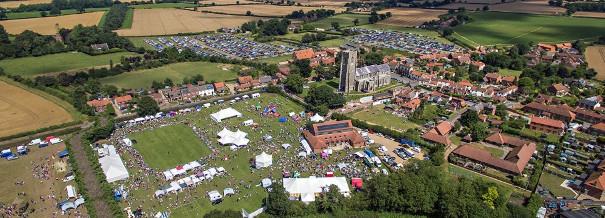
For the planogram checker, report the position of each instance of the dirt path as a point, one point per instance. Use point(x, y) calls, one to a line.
point(93, 187)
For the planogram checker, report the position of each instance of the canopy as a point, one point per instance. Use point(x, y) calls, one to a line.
point(236, 138)
point(266, 182)
point(71, 191)
point(316, 118)
point(68, 205)
point(113, 168)
point(306, 186)
point(263, 160)
point(168, 175)
point(224, 114)
point(285, 146)
point(228, 191)
point(214, 195)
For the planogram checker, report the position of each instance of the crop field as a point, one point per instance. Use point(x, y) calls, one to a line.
point(410, 16)
point(589, 14)
point(345, 20)
point(531, 7)
point(47, 25)
point(263, 10)
point(21, 111)
point(150, 22)
point(595, 56)
point(176, 72)
point(496, 28)
point(166, 147)
point(467, 6)
point(15, 4)
point(227, 2)
point(32, 66)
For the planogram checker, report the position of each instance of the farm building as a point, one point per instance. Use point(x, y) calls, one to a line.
point(333, 134)
point(514, 163)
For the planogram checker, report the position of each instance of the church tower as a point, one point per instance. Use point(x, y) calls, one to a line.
point(348, 64)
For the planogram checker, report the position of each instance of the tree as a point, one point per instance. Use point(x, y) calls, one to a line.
point(294, 83)
point(373, 58)
point(335, 25)
point(168, 82)
point(478, 131)
point(248, 13)
point(304, 67)
point(157, 85)
point(501, 111)
point(223, 214)
point(373, 17)
point(54, 11)
point(447, 32)
point(490, 197)
point(43, 13)
point(4, 39)
point(526, 84)
point(356, 22)
point(469, 117)
point(277, 202)
point(323, 95)
point(147, 106)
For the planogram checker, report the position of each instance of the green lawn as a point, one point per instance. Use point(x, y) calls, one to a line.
point(32, 66)
point(553, 184)
point(377, 115)
point(509, 72)
point(35, 14)
point(139, 42)
point(495, 152)
point(128, 19)
point(498, 28)
point(166, 147)
point(275, 60)
point(176, 72)
point(345, 20)
point(164, 5)
point(332, 42)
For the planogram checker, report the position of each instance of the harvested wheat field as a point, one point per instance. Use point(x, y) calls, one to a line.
point(531, 7)
point(21, 110)
point(167, 21)
point(263, 10)
point(227, 2)
point(410, 16)
point(469, 7)
point(589, 14)
point(47, 25)
point(595, 56)
point(15, 4)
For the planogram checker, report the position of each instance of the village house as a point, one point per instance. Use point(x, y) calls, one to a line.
point(122, 101)
point(558, 112)
point(158, 98)
point(546, 125)
point(478, 64)
point(594, 185)
point(439, 134)
point(219, 87)
point(591, 103)
point(411, 105)
point(588, 115)
point(514, 163)
point(558, 89)
point(99, 105)
point(598, 129)
point(492, 78)
point(246, 83)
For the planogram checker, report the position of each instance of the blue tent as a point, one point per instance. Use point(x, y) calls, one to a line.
point(63, 154)
point(117, 195)
point(407, 142)
point(283, 119)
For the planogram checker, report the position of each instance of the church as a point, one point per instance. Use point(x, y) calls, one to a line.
point(363, 79)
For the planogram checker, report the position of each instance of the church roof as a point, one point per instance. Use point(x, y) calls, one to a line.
point(372, 69)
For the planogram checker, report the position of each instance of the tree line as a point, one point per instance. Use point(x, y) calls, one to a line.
point(585, 6)
point(316, 37)
point(115, 16)
point(311, 15)
point(272, 27)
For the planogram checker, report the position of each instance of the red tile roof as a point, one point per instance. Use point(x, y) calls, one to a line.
point(436, 138)
point(122, 99)
point(99, 103)
point(443, 128)
point(514, 162)
point(503, 139)
point(244, 79)
point(548, 122)
point(304, 54)
point(596, 180)
point(219, 85)
point(599, 127)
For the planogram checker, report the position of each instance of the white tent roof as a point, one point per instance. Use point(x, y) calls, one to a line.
point(266, 182)
point(263, 160)
point(236, 138)
point(314, 185)
point(307, 197)
point(316, 118)
point(71, 191)
point(113, 168)
point(224, 114)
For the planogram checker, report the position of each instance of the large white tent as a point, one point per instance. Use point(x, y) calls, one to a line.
point(113, 167)
point(263, 160)
point(316, 118)
point(237, 138)
point(224, 114)
point(305, 188)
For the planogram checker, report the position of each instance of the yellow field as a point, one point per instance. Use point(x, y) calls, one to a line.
point(15, 4)
point(595, 56)
point(48, 25)
point(166, 21)
point(264, 10)
point(589, 14)
point(410, 16)
point(21, 110)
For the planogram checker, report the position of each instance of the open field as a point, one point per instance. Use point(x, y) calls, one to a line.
point(275, 60)
point(227, 2)
point(176, 72)
point(496, 28)
point(589, 14)
point(15, 4)
point(553, 184)
point(36, 14)
point(21, 111)
point(163, 5)
point(595, 56)
point(23, 169)
point(47, 25)
point(531, 6)
point(169, 146)
point(410, 16)
point(263, 10)
point(467, 6)
point(378, 116)
point(509, 72)
point(345, 20)
point(32, 66)
point(148, 22)
point(317, 3)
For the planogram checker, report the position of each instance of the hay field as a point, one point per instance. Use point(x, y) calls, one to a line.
point(532, 7)
point(589, 14)
point(21, 110)
point(47, 25)
point(595, 56)
point(263, 10)
point(410, 16)
point(166, 21)
point(15, 4)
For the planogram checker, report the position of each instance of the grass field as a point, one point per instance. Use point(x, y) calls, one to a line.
point(495, 28)
point(275, 60)
point(345, 20)
point(553, 184)
point(378, 116)
point(22, 110)
point(509, 72)
point(166, 147)
point(139, 42)
point(32, 66)
point(495, 152)
point(35, 14)
point(128, 19)
point(176, 72)
point(47, 25)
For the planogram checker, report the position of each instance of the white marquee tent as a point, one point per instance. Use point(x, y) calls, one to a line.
point(306, 188)
point(224, 114)
point(263, 160)
point(316, 118)
point(113, 167)
point(236, 138)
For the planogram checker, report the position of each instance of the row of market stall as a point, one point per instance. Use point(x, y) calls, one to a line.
point(189, 181)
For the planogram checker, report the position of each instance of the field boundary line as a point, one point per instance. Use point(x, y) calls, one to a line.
point(524, 34)
point(467, 39)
